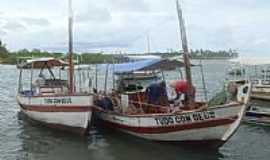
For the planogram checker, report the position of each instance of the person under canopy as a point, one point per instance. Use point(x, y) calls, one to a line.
point(181, 88)
point(156, 93)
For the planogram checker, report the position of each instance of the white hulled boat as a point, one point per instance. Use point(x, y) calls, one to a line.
point(53, 100)
point(190, 122)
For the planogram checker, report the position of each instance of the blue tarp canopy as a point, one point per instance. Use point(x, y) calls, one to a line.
point(150, 64)
point(134, 66)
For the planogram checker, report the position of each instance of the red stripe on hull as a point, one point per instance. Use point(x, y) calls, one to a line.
point(175, 128)
point(55, 108)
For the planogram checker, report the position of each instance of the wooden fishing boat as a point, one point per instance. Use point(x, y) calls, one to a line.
point(53, 100)
point(213, 125)
point(190, 122)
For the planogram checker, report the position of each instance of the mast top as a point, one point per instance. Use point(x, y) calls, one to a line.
point(70, 11)
point(183, 34)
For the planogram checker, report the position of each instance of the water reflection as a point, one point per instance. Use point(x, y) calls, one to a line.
point(124, 146)
point(39, 142)
point(45, 144)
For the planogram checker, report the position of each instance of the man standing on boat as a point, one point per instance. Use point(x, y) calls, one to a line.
point(181, 87)
point(156, 94)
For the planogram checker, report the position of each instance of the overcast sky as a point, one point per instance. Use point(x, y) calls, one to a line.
point(114, 25)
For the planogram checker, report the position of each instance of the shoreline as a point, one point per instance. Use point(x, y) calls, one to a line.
point(208, 59)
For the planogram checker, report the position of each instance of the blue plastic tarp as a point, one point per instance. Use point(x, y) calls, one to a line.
point(131, 66)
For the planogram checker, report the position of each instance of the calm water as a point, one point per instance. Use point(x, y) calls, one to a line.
point(22, 140)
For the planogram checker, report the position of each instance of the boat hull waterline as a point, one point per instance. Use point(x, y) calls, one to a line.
point(212, 125)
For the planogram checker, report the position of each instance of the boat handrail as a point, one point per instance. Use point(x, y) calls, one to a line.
point(148, 104)
point(203, 108)
point(56, 95)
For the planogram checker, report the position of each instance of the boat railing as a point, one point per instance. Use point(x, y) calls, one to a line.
point(156, 108)
point(55, 82)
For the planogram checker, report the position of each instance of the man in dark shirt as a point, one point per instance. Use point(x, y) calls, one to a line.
point(155, 92)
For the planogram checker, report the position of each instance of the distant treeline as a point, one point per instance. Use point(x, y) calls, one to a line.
point(203, 54)
point(7, 57)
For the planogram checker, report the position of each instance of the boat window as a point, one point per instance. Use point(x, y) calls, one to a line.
point(245, 90)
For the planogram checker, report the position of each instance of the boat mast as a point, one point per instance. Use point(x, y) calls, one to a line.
point(183, 36)
point(70, 48)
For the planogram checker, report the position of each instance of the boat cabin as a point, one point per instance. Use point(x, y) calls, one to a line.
point(141, 88)
point(137, 80)
point(45, 82)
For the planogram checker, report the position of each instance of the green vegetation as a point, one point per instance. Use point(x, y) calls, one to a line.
point(4, 54)
point(203, 54)
point(208, 54)
point(94, 58)
point(7, 57)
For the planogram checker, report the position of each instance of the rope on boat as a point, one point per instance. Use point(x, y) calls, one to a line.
point(156, 106)
point(147, 104)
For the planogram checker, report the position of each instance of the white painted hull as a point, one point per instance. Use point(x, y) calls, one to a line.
point(66, 120)
point(204, 134)
point(260, 92)
point(73, 116)
point(262, 96)
point(218, 128)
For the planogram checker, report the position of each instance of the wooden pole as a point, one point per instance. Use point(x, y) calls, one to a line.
point(203, 82)
point(113, 76)
point(70, 48)
point(20, 82)
point(96, 74)
point(106, 79)
point(79, 72)
point(183, 36)
point(31, 78)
